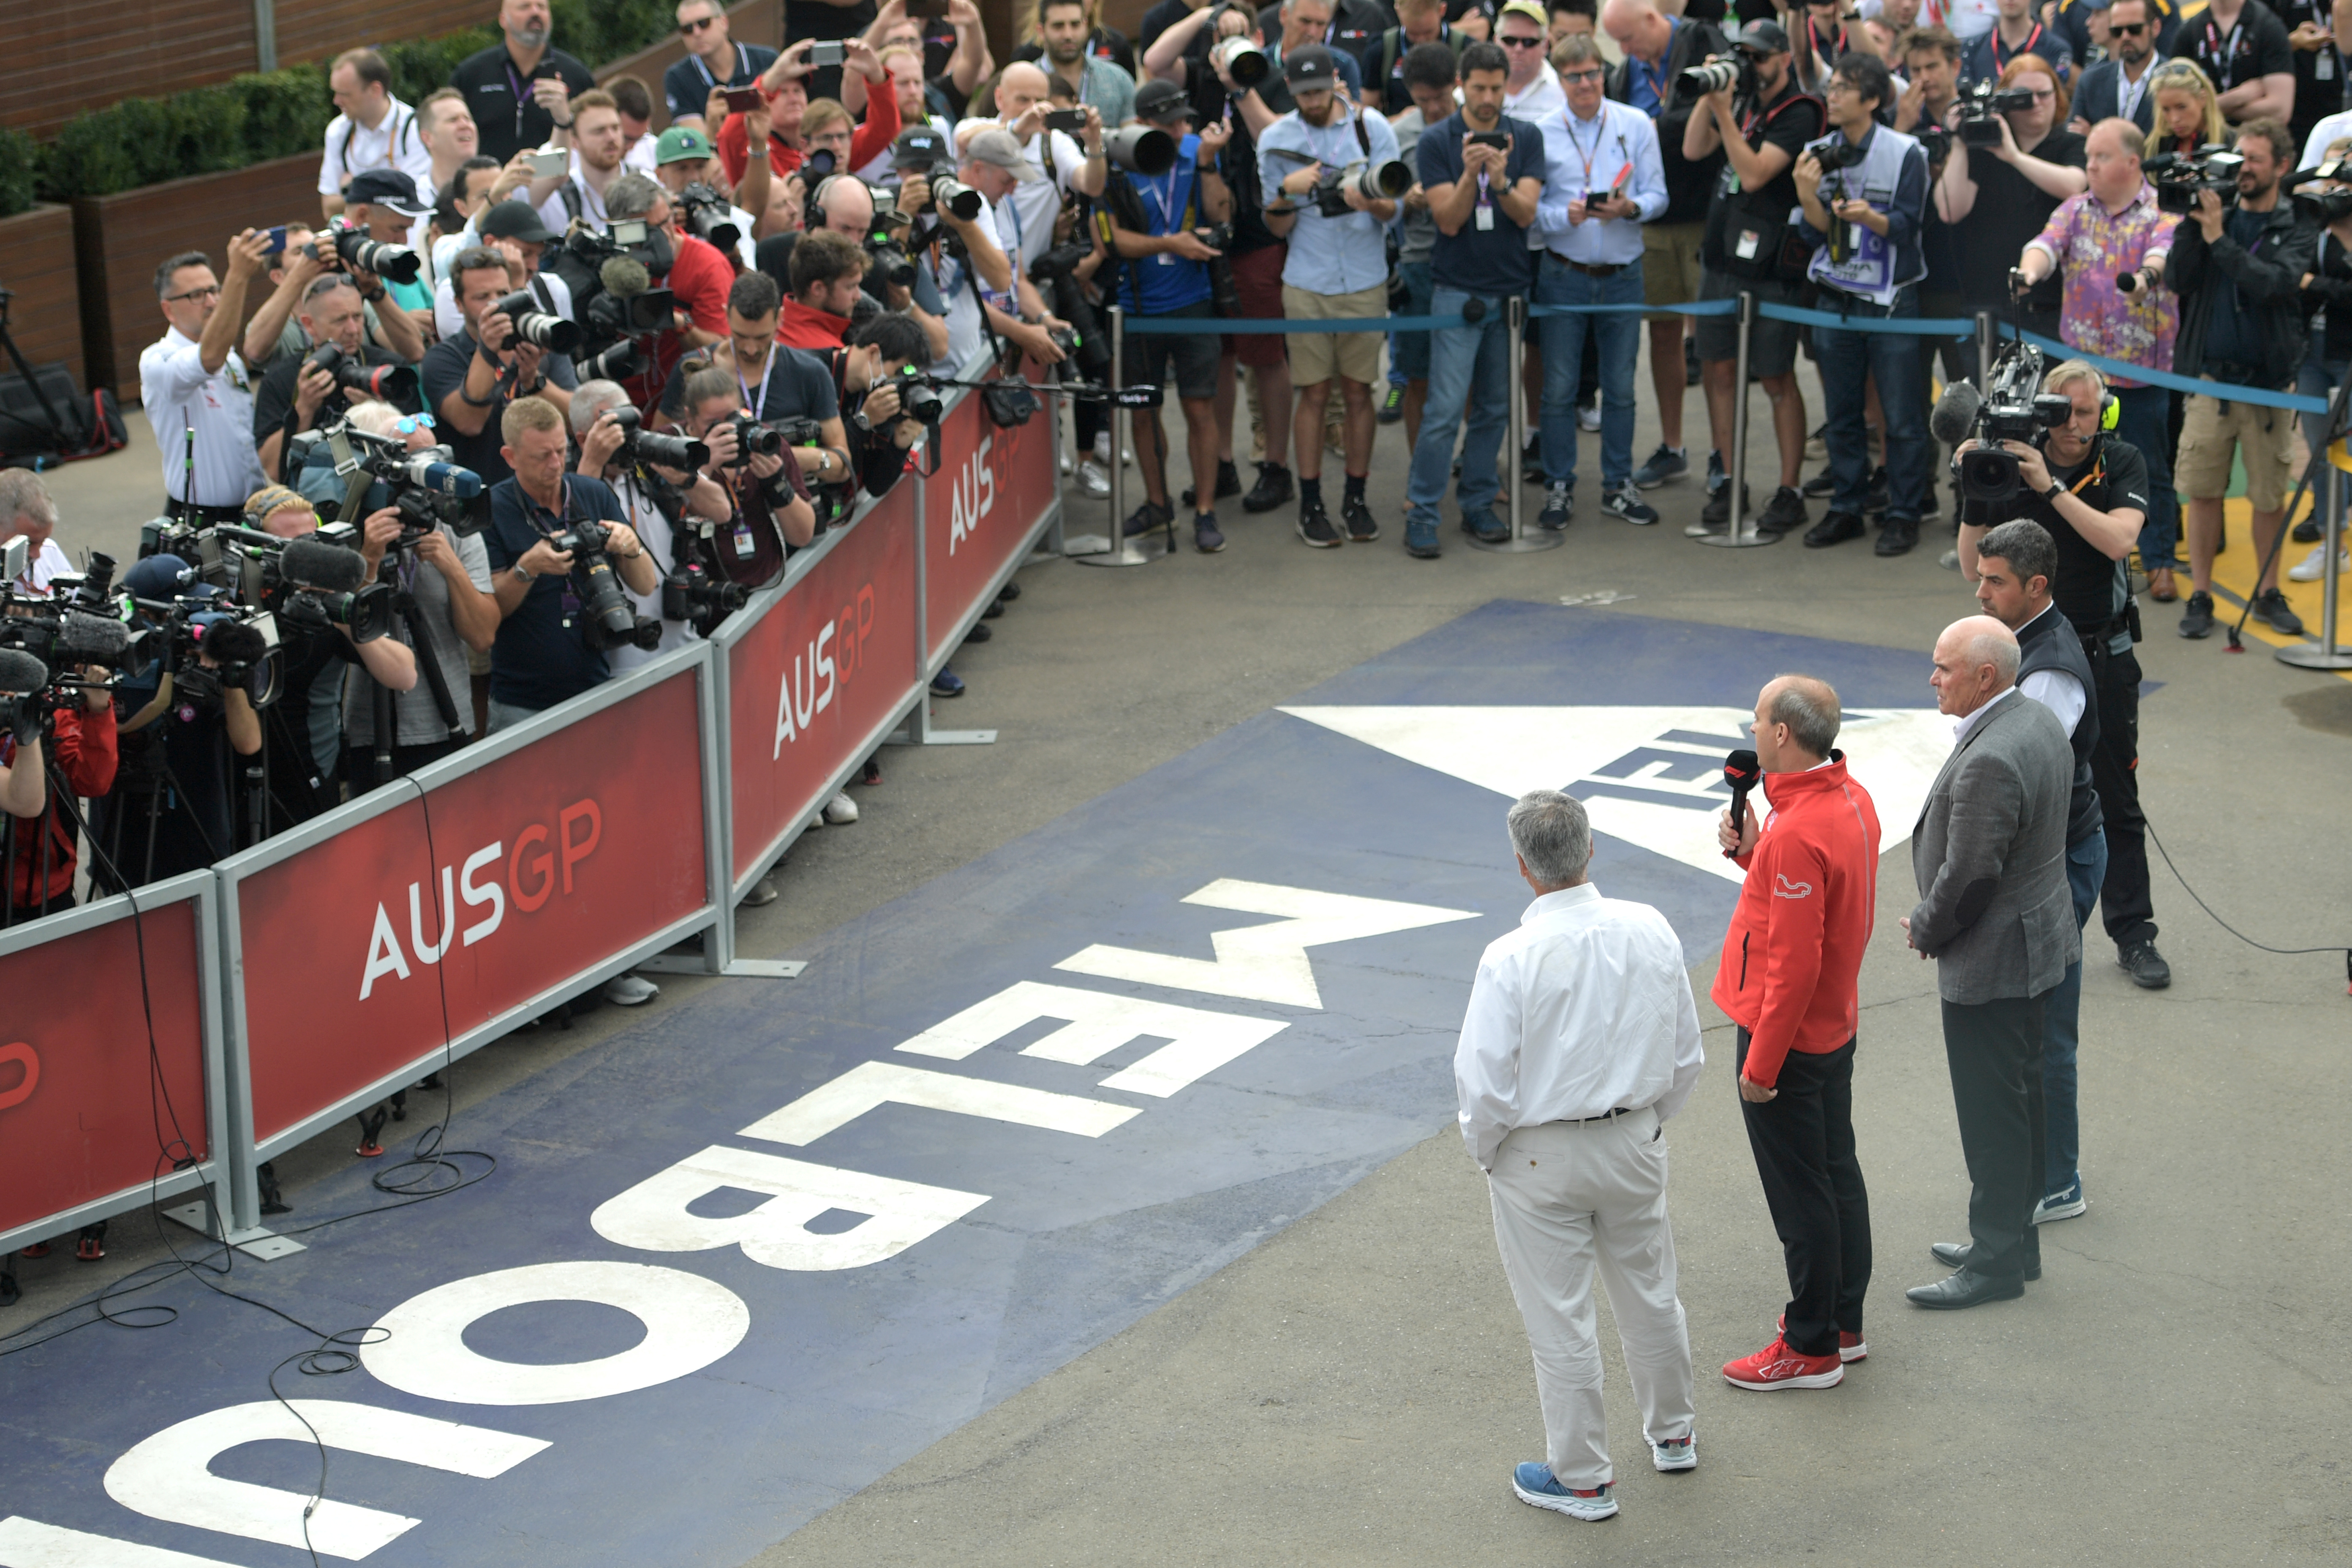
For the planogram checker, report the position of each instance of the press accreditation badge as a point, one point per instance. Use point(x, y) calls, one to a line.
point(1749, 241)
point(1485, 218)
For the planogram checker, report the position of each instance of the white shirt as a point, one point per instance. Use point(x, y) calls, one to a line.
point(2057, 689)
point(966, 326)
point(393, 144)
point(1613, 138)
point(1539, 98)
point(1960, 727)
point(558, 216)
point(1025, 218)
point(653, 532)
point(179, 397)
point(46, 564)
point(2334, 128)
point(1585, 1009)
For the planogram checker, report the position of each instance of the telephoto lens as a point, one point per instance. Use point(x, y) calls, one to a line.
point(533, 325)
point(1241, 60)
point(1712, 77)
point(951, 195)
point(1147, 149)
point(397, 262)
point(392, 382)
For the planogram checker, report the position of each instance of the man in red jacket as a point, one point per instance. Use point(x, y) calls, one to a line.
point(1787, 979)
point(81, 749)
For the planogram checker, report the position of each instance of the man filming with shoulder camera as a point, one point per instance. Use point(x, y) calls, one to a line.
point(339, 370)
point(471, 378)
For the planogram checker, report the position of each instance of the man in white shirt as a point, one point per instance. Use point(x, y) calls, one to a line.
point(27, 512)
point(197, 392)
point(1077, 162)
point(374, 130)
point(594, 134)
point(1579, 1042)
point(1532, 91)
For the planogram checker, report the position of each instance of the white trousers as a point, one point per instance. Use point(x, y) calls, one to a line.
point(1569, 1195)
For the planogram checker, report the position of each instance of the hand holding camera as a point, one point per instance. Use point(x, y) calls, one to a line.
point(604, 438)
point(543, 560)
point(1190, 245)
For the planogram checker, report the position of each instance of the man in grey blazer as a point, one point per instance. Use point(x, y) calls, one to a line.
point(1994, 912)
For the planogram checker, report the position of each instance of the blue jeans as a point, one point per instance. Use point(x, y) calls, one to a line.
point(2086, 867)
point(2143, 418)
point(2319, 377)
point(1409, 352)
point(1469, 374)
point(1620, 339)
point(1849, 360)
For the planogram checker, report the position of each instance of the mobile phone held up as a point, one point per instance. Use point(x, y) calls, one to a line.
point(829, 53)
point(547, 166)
point(743, 99)
point(273, 241)
point(1071, 120)
point(1494, 139)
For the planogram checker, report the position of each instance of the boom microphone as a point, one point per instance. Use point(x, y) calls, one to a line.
point(1742, 772)
point(85, 638)
point(330, 568)
point(234, 642)
point(1955, 415)
point(625, 276)
point(20, 673)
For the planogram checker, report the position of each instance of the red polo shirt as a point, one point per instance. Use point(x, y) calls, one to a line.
point(871, 141)
point(806, 327)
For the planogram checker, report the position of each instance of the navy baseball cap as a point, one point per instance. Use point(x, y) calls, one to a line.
point(385, 188)
point(1764, 37)
point(1310, 67)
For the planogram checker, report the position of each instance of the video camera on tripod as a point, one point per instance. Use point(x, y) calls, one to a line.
point(73, 625)
point(429, 489)
point(2012, 407)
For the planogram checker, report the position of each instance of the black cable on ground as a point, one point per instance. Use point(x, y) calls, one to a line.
point(2345, 949)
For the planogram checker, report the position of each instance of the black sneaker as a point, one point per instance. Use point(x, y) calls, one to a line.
point(1880, 494)
point(2144, 965)
point(2197, 620)
point(1835, 528)
point(1315, 526)
point(1392, 404)
point(1272, 490)
point(1229, 483)
point(1206, 537)
point(2307, 531)
point(981, 632)
point(1717, 509)
point(2271, 606)
point(1353, 513)
point(995, 607)
point(1820, 487)
point(1785, 511)
point(1148, 516)
point(1010, 591)
point(1896, 535)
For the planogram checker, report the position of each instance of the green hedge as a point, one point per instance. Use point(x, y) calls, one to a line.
point(254, 118)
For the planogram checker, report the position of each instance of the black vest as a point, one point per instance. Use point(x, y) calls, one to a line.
point(2050, 642)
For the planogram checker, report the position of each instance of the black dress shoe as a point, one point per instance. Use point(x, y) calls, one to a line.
point(1896, 536)
point(1955, 1254)
point(2144, 965)
point(1835, 528)
point(1966, 1288)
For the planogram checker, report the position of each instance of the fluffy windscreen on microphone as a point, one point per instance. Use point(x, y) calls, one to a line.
point(20, 673)
point(1955, 413)
point(625, 276)
point(92, 639)
point(234, 642)
point(330, 568)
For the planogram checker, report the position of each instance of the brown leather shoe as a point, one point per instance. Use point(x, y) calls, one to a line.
point(2160, 585)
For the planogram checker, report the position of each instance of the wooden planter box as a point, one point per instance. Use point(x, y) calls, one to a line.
point(121, 238)
point(36, 261)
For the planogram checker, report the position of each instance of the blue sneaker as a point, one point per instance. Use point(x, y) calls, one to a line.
point(947, 683)
point(2063, 1204)
point(1485, 526)
point(1536, 1485)
point(1665, 463)
point(1421, 540)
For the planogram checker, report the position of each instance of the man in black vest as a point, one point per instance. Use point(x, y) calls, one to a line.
point(2016, 563)
point(2090, 488)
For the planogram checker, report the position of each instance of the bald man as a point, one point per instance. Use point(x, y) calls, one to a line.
point(1994, 912)
point(1791, 962)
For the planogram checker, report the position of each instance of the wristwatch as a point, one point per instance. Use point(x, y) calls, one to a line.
point(521, 572)
point(859, 418)
point(2054, 492)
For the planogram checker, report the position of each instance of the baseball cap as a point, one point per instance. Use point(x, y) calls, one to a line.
point(385, 188)
point(920, 147)
point(1765, 37)
point(513, 220)
point(1310, 67)
point(160, 577)
point(1160, 99)
point(682, 144)
point(997, 147)
point(1531, 10)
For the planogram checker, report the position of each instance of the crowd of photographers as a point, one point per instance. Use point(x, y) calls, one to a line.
point(542, 393)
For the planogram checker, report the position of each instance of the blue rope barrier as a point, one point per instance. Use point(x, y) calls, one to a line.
point(1907, 326)
point(2261, 397)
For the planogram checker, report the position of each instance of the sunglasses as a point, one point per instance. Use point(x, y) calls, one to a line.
point(1589, 75)
point(1520, 41)
point(409, 425)
point(2127, 29)
point(687, 29)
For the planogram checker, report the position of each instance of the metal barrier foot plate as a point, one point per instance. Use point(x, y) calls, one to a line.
point(765, 968)
point(257, 1243)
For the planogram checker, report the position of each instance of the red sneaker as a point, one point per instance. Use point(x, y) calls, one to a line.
point(1778, 1366)
point(1851, 1347)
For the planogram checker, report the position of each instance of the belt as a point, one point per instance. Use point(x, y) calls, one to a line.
point(1604, 1116)
point(1592, 269)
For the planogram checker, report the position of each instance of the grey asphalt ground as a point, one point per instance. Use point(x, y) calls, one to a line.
point(1355, 1389)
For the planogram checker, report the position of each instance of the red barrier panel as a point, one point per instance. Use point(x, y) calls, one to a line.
point(358, 958)
point(85, 1111)
point(991, 486)
point(810, 681)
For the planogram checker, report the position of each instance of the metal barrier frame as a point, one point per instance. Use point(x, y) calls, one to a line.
point(247, 1151)
point(221, 1143)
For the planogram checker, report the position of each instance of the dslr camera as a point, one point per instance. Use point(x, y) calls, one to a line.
point(1056, 273)
point(391, 383)
point(1979, 106)
point(397, 262)
point(642, 445)
point(1374, 181)
point(1735, 71)
point(428, 486)
point(705, 213)
point(695, 596)
point(754, 439)
point(612, 618)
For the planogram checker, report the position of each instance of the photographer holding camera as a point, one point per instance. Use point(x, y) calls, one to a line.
point(1161, 228)
point(2239, 273)
point(71, 732)
point(950, 245)
point(557, 542)
point(697, 277)
point(657, 495)
point(771, 512)
point(1336, 268)
point(1998, 194)
point(2090, 488)
point(339, 368)
point(1752, 110)
point(472, 377)
point(882, 370)
point(276, 328)
point(1865, 196)
point(892, 279)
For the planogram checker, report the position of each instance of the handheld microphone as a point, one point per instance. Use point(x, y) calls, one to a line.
point(1742, 772)
point(1954, 417)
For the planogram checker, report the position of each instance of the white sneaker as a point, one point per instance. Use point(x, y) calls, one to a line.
point(630, 991)
point(841, 809)
point(1066, 464)
point(1589, 418)
point(1679, 1455)
point(1102, 451)
point(2309, 568)
point(1093, 478)
point(763, 894)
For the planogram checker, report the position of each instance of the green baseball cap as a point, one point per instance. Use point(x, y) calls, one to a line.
point(680, 143)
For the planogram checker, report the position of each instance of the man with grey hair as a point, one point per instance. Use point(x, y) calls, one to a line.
point(27, 512)
point(1788, 978)
point(1990, 854)
point(1579, 1042)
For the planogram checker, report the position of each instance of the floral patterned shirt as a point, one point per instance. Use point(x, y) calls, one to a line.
point(2091, 246)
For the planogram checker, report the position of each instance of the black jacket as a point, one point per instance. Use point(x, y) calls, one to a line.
point(1688, 185)
point(2269, 280)
point(2331, 288)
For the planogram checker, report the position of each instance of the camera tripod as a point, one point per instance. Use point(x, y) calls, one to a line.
point(428, 659)
point(67, 437)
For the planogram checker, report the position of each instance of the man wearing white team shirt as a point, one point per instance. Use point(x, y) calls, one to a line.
point(1531, 91)
point(1031, 211)
point(197, 392)
point(595, 136)
point(374, 130)
point(1581, 1041)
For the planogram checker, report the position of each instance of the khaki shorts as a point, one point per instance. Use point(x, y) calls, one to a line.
point(2211, 430)
point(1670, 265)
point(1317, 357)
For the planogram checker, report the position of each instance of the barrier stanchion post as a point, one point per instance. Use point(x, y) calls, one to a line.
point(1739, 531)
point(1144, 549)
point(2325, 655)
point(1515, 323)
